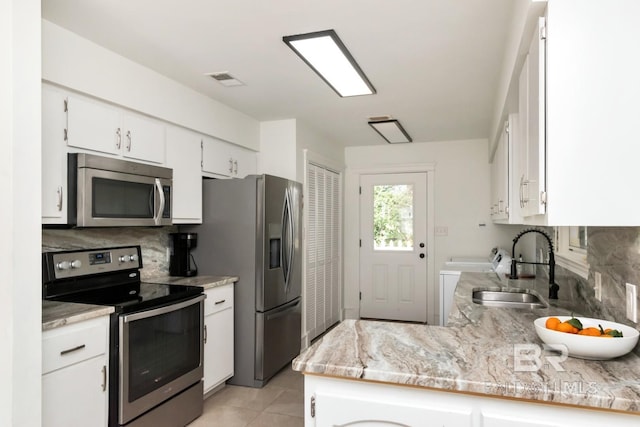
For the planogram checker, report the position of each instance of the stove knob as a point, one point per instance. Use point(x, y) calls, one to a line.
point(122, 258)
point(76, 263)
point(133, 258)
point(63, 265)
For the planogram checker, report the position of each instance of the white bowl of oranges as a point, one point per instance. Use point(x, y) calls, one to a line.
point(587, 338)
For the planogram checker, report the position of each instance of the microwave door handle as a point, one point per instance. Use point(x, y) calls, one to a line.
point(158, 217)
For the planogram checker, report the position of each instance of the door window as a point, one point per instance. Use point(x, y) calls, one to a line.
point(393, 217)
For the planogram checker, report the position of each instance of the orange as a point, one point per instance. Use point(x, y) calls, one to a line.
point(592, 332)
point(566, 327)
point(552, 323)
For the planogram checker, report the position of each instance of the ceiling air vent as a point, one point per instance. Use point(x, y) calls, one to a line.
point(225, 79)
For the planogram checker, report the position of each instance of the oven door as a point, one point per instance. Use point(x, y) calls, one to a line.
point(107, 198)
point(160, 352)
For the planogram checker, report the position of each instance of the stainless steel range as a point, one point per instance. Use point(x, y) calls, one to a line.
point(156, 333)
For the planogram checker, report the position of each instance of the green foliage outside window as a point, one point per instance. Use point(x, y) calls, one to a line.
point(393, 216)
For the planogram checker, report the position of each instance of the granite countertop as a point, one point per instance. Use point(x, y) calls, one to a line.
point(56, 314)
point(206, 282)
point(474, 354)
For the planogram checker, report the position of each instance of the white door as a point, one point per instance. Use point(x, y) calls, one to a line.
point(393, 252)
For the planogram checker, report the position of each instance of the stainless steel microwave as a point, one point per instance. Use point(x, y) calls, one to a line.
point(108, 192)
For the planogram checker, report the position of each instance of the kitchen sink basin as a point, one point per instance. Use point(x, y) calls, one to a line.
point(507, 298)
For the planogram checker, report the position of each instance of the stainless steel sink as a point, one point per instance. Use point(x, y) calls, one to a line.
point(507, 298)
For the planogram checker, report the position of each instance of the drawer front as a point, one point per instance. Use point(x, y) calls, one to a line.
point(218, 299)
point(71, 344)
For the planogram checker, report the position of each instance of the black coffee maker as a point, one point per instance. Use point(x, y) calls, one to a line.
point(181, 261)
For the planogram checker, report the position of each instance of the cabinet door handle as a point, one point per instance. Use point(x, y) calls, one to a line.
point(220, 302)
point(129, 140)
point(59, 204)
point(230, 165)
point(71, 350)
point(205, 334)
point(235, 167)
point(118, 138)
point(104, 378)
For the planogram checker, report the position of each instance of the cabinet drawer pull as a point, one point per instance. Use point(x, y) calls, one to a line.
point(71, 350)
point(220, 302)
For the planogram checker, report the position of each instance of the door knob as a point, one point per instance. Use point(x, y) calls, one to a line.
point(422, 245)
point(421, 255)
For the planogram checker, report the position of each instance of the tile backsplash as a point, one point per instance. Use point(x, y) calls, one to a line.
point(614, 252)
point(154, 242)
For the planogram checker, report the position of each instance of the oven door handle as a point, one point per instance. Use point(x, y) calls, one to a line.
point(162, 310)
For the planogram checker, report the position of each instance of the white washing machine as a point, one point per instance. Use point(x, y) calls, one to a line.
point(499, 262)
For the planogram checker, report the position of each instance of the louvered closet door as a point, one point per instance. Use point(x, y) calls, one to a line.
point(322, 302)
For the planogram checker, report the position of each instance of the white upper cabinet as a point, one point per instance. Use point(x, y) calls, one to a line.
point(97, 126)
point(221, 159)
point(54, 157)
point(500, 178)
point(578, 106)
point(183, 156)
point(532, 183)
point(506, 205)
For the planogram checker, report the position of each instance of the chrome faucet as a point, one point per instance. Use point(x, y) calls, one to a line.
point(553, 287)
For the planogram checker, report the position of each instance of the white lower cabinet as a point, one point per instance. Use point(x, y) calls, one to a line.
point(341, 402)
point(448, 283)
point(218, 344)
point(74, 374)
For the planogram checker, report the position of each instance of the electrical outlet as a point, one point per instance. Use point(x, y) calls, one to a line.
point(632, 302)
point(598, 287)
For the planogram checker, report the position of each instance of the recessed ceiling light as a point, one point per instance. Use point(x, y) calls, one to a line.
point(225, 79)
point(325, 53)
point(391, 130)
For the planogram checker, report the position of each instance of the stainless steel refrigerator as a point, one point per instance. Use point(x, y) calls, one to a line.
point(252, 229)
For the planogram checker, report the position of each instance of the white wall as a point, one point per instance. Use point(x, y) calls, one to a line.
point(282, 145)
point(77, 63)
point(20, 277)
point(308, 139)
point(278, 148)
point(461, 204)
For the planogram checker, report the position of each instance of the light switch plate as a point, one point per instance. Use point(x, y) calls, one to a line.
point(441, 230)
point(632, 302)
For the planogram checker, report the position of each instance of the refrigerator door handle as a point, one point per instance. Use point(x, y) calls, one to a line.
point(286, 250)
point(290, 241)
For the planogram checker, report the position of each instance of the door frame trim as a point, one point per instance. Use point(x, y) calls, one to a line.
point(351, 235)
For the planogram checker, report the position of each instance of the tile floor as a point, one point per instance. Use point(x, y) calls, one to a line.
point(280, 403)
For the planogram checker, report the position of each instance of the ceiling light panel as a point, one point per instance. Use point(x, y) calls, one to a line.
point(325, 53)
point(391, 130)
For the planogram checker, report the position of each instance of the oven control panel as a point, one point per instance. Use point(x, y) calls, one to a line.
point(61, 265)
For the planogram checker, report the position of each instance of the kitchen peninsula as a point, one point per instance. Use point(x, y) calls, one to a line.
point(466, 373)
